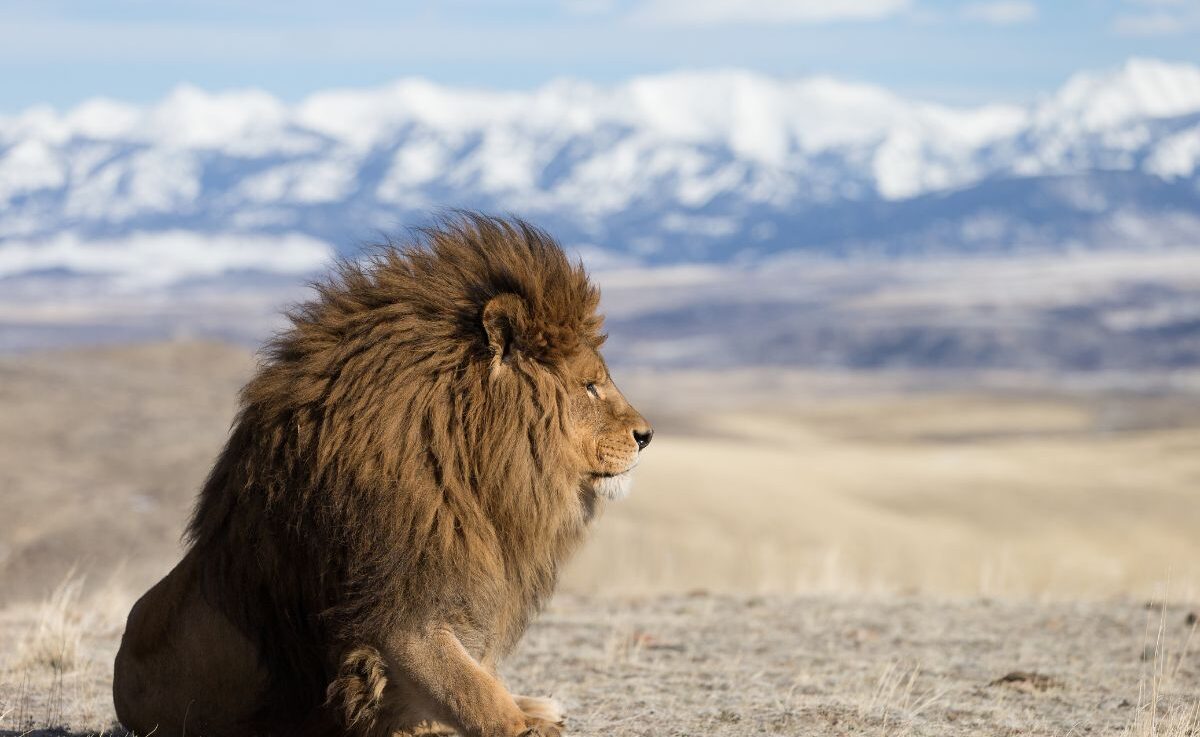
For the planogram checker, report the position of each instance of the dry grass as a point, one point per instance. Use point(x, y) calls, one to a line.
point(963, 494)
point(55, 666)
point(54, 642)
point(1164, 672)
point(897, 701)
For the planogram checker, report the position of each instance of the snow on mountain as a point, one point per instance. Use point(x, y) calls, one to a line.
point(688, 166)
point(1143, 88)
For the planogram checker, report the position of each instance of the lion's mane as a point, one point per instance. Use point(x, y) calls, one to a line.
point(381, 469)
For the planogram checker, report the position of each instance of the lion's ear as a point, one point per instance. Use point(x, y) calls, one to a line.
point(504, 318)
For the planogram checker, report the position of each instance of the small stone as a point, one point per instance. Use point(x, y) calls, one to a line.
point(1027, 681)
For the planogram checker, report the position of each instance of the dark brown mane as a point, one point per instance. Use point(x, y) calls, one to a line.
point(380, 467)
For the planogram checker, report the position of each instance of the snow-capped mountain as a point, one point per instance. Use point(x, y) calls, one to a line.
point(695, 166)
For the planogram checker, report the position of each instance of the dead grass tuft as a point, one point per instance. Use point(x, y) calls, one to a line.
point(897, 701)
point(57, 670)
point(1160, 712)
point(54, 643)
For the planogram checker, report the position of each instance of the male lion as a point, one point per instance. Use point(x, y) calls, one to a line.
point(411, 463)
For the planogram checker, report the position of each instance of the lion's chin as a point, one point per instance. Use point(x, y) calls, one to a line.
point(615, 487)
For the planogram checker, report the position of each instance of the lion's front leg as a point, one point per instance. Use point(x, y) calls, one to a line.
point(466, 695)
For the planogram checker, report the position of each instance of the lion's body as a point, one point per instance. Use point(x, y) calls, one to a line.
point(401, 484)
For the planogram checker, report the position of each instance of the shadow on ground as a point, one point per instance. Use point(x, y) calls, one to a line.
point(113, 731)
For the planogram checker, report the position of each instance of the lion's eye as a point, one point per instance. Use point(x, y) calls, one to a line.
point(591, 389)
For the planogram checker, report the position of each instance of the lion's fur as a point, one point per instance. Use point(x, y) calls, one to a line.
point(383, 471)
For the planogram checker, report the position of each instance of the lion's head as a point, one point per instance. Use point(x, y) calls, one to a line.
point(446, 394)
point(609, 433)
point(606, 433)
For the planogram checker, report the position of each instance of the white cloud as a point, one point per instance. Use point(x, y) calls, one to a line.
point(1001, 12)
point(152, 259)
point(1150, 24)
point(714, 12)
point(1162, 18)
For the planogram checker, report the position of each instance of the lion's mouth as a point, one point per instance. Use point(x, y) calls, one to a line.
point(613, 486)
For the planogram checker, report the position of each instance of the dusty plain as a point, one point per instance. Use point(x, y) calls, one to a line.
point(804, 553)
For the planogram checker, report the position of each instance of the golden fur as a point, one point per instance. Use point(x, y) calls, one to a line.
point(410, 465)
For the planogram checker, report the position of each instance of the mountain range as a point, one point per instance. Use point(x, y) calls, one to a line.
point(706, 166)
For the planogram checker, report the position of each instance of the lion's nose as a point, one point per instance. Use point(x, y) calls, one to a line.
point(643, 437)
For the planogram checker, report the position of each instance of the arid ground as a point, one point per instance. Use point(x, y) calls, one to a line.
point(706, 664)
point(802, 554)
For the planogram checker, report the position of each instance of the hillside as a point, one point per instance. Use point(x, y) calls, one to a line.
point(759, 480)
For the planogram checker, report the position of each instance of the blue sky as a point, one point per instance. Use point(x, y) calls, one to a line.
point(63, 51)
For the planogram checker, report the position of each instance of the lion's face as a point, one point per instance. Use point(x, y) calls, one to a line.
point(609, 434)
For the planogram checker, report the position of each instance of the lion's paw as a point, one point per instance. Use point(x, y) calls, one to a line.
point(547, 710)
point(535, 727)
point(434, 729)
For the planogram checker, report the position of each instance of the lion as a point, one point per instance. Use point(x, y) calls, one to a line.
point(410, 465)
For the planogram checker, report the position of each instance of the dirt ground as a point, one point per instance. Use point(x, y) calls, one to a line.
point(705, 664)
